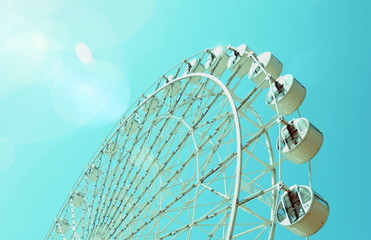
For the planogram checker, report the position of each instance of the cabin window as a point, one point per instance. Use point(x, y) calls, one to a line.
point(281, 214)
point(278, 90)
point(304, 194)
point(291, 136)
point(301, 125)
point(293, 206)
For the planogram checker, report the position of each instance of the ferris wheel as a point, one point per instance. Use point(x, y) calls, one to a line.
point(193, 158)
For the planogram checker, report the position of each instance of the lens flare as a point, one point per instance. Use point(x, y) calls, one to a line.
point(83, 52)
point(28, 58)
point(94, 94)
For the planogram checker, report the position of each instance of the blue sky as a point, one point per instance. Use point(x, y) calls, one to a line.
point(69, 69)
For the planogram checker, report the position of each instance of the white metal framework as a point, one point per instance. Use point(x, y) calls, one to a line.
point(191, 159)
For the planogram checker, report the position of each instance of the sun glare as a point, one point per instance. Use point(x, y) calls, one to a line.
point(83, 53)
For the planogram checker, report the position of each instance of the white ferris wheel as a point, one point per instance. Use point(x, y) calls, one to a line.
point(193, 159)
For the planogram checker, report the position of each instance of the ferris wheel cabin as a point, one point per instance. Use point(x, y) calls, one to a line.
point(93, 173)
point(150, 106)
point(130, 127)
point(288, 93)
point(239, 61)
point(77, 199)
point(62, 226)
point(217, 61)
point(300, 141)
point(194, 66)
point(302, 211)
point(111, 149)
point(173, 89)
point(271, 64)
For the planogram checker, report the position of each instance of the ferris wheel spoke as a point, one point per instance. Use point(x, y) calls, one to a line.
point(114, 181)
point(164, 145)
point(257, 125)
point(249, 187)
point(178, 104)
point(140, 210)
point(184, 227)
point(147, 153)
point(253, 94)
point(242, 206)
point(207, 128)
point(207, 106)
point(215, 189)
point(192, 212)
point(209, 158)
point(101, 189)
point(217, 118)
point(251, 212)
point(115, 195)
point(173, 219)
point(158, 173)
point(236, 84)
point(101, 195)
point(258, 134)
point(120, 193)
point(217, 193)
point(188, 189)
point(199, 96)
point(114, 199)
point(262, 231)
point(246, 103)
point(74, 226)
point(217, 227)
point(264, 226)
point(215, 211)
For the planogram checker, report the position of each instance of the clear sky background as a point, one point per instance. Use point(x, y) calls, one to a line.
point(69, 69)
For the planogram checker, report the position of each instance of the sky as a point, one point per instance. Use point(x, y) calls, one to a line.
point(70, 69)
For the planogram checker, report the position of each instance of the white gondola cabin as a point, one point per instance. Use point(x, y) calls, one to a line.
point(300, 141)
point(194, 66)
point(62, 226)
point(302, 211)
point(77, 199)
point(150, 106)
point(217, 62)
point(130, 127)
point(111, 149)
point(174, 87)
point(271, 64)
point(288, 93)
point(240, 61)
point(93, 173)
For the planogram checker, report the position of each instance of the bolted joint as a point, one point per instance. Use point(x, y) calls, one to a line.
point(281, 120)
point(269, 77)
point(283, 186)
point(252, 55)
